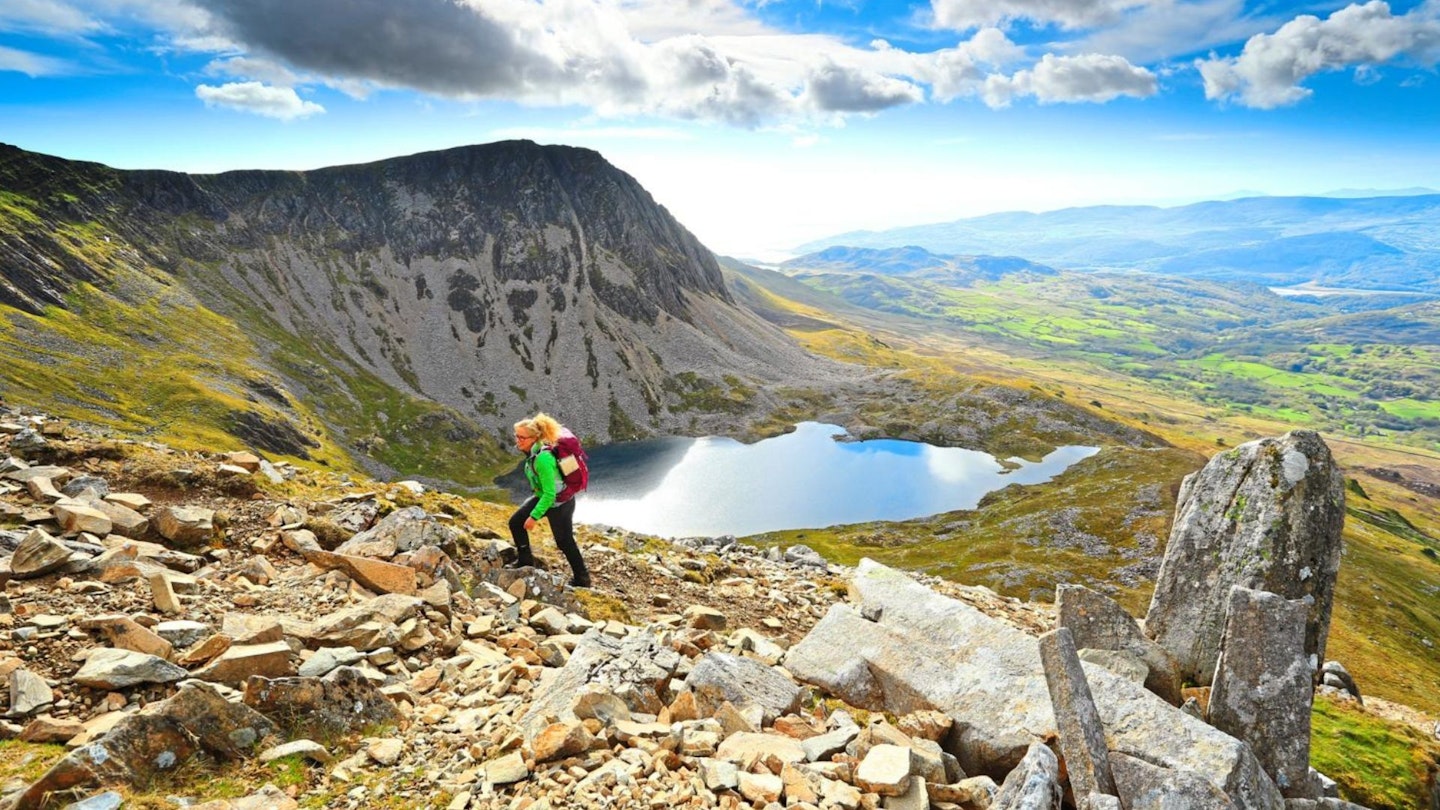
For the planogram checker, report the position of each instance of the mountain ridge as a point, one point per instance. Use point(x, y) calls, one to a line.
point(492, 279)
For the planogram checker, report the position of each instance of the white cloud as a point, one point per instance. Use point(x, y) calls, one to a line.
point(47, 16)
point(1268, 72)
point(837, 88)
point(260, 70)
point(962, 15)
point(1165, 29)
point(1095, 78)
point(32, 64)
point(710, 60)
point(272, 102)
point(957, 72)
point(574, 135)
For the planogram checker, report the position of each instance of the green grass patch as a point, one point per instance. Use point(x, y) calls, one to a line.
point(1380, 764)
point(26, 762)
point(1412, 409)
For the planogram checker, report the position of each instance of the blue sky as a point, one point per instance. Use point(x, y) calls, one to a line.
point(760, 124)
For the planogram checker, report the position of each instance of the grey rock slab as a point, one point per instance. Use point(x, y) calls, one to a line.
point(80, 483)
point(1144, 786)
point(308, 749)
point(1263, 688)
point(1266, 515)
point(29, 693)
point(110, 668)
point(823, 746)
point(108, 800)
point(183, 633)
point(1127, 665)
point(326, 659)
point(37, 555)
point(635, 669)
point(1100, 623)
point(928, 651)
point(1082, 738)
point(402, 530)
point(718, 677)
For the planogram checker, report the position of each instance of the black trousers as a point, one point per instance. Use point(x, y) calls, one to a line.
point(561, 518)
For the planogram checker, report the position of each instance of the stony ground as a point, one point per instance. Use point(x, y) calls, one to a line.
point(242, 545)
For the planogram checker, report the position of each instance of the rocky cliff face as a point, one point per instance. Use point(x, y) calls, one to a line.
point(496, 279)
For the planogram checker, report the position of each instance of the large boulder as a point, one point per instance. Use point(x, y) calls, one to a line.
point(402, 530)
point(1266, 515)
point(635, 669)
point(340, 703)
point(157, 739)
point(925, 651)
point(718, 677)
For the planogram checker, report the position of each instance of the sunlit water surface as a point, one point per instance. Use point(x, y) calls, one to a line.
point(680, 487)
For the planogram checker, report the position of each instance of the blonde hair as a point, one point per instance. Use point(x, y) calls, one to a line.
point(542, 426)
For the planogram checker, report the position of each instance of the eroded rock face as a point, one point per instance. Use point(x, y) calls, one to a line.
point(1266, 515)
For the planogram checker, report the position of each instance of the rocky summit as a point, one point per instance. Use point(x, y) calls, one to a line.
point(267, 635)
point(464, 286)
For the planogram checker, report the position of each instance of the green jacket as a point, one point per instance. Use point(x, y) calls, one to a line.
point(543, 473)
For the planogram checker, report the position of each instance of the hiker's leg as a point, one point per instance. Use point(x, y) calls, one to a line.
point(518, 533)
point(562, 525)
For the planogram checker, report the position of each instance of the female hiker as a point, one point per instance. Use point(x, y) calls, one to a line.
point(537, 438)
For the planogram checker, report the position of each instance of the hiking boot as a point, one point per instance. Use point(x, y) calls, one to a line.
point(580, 581)
point(523, 559)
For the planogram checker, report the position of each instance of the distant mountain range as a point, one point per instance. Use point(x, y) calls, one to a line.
point(1389, 242)
point(915, 262)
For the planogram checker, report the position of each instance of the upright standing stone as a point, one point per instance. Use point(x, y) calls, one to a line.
point(1082, 737)
point(1266, 515)
point(1263, 686)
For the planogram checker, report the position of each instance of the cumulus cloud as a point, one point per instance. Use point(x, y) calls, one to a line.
point(961, 71)
point(32, 64)
point(1268, 72)
point(1095, 78)
point(253, 97)
point(835, 88)
point(962, 15)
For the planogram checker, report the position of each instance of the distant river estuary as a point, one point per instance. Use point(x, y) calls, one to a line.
point(680, 487)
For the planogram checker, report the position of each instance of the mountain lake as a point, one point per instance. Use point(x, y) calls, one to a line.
point(707, 487)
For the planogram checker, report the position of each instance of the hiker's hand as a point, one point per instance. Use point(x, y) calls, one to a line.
point(530, 523)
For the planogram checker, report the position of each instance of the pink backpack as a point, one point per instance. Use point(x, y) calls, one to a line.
point(573, 463)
